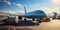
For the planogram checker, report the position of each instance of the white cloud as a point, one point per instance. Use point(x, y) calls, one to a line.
point(10, 12)
point(35, 5)
point(56, 2)
point(14, 12)
point(22, 11)
point(8, 2)
point(5, 1)
point(19, 5)
point(50, 10)
point(46, 10)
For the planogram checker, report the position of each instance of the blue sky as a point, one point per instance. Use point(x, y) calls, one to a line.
point(22, 2)
point(17, 5)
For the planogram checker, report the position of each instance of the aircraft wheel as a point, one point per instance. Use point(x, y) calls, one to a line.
point(39, 21)
point(25, 19)
point(33, 19)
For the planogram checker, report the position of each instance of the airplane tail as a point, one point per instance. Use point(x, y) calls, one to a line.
point(25, 9)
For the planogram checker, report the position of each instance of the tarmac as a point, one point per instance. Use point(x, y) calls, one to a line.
point(52, 25)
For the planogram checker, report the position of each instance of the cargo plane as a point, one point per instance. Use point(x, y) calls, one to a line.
point(39, 15)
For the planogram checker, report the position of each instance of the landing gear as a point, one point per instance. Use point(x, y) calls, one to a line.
point(33, 19)
point(39, 20)
point(25, 19)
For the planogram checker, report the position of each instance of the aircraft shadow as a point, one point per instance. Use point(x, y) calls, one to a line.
point(27, 23)
point(22, 23)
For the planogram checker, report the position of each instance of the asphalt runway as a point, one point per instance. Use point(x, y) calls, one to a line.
point(52, 25)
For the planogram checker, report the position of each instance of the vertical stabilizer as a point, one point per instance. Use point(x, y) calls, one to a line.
point(25, 9)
